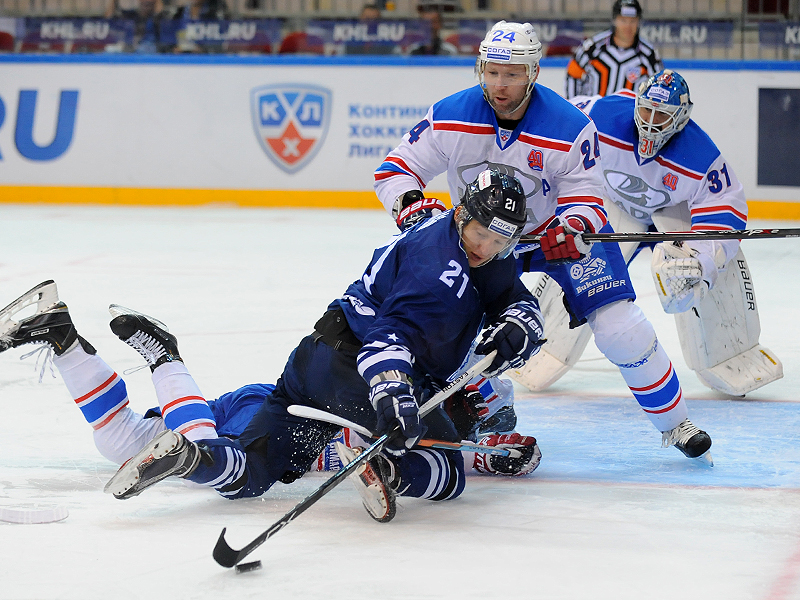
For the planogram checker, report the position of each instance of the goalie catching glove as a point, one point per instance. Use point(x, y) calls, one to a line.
point(683, 274)
point(506, 465)
point(516, 336)
point(393, 399)
point(412, 207)
point(563, 242)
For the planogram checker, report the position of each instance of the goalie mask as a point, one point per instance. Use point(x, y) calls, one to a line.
point(496, 201)
point(510, 44)
point(662, 109)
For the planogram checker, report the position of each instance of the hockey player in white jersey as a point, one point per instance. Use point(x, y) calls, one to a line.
point(526, 130)
point(662, 172)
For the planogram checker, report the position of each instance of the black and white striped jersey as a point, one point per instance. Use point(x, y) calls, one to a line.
point(600, 68)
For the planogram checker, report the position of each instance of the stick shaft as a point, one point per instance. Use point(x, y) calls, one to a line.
point(679, 236)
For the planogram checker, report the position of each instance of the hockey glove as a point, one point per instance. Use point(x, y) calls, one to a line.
point(563, 242)
point(395, 405)
point(506, 465)
point(413, 208)
point(466, 408)
point(516, 337)
point(683, 275)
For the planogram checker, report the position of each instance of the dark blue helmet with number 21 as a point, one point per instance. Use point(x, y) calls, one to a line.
point(496, 201)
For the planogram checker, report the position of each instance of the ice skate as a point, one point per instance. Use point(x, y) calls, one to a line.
point(169, 453)
point(373, 481)
point(689, 439)
point(49, 324)
point(503, 421)
point(148, 336)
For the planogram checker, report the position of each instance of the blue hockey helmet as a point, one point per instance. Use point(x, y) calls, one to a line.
point(663, 108)
point(496, 201)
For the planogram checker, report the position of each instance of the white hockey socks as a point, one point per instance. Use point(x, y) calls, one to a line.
point(183, 406)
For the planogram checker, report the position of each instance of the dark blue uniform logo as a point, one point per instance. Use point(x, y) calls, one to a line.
point(291, 122)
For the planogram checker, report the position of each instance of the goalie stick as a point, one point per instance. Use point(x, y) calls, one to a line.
point(228, 557)
point(678, 236)
point(320, 415)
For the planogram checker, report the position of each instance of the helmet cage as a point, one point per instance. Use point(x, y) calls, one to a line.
point(665, 93)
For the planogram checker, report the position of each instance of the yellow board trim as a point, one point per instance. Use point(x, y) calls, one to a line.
point(184, 197)
point(758, 209)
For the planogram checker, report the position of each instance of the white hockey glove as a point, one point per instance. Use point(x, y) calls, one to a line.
point(506, 465)
point(516, 336)
point(563, 239)
point(412, 207)
point(683, 275)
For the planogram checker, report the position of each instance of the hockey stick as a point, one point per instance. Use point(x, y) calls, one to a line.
point(228, 557)
point(678, 236)
point(320, 415)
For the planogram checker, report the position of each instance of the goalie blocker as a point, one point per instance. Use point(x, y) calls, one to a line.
point(719, 332)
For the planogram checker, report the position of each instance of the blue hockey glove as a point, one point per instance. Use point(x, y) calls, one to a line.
point(414, 207)
point(395, 404)
point(516, 337)
point(563, 240)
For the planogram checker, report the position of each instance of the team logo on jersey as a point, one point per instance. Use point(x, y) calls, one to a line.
point(638, 197)
point(670, 181)
point(291, 122)
point(536, 160)
point(586, 269)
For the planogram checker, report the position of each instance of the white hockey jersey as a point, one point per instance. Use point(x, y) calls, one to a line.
point(689, 168)
point(553, 152)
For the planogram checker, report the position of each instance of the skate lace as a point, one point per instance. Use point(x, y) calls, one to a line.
point(680, 435)
point(45, 352)
point(146, 345)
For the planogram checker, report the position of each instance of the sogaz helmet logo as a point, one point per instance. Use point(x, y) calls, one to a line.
point(291, 122)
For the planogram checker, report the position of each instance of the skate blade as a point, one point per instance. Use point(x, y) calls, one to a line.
point(128, 475)
point(43, 295)
point(118, 310)
point(374, 496)
point(705, 459)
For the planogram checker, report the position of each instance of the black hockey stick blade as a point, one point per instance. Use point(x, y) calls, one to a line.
point(228, 557)
point(679, 236)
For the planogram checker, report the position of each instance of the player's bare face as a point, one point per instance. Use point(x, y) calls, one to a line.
point(625, 29)
point(506, 86)
point(480, 244)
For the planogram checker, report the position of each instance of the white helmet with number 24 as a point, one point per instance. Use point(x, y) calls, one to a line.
point(510, 44)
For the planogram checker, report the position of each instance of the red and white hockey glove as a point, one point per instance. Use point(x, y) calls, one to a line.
point(506, 465)
point(563, 242)
point(414, 207)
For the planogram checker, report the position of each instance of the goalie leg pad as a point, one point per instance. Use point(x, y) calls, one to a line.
point(720, 336)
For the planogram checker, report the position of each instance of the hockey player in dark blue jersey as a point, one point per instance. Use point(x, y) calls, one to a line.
point(397, 334)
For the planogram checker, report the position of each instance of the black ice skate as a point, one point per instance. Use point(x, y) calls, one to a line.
point(373, 480)
point(148, 336)
point(49, 324)
point(168, 454)
point(503, 421)
point(689, 439)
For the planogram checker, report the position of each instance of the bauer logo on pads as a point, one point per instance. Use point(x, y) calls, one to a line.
point(290, 122)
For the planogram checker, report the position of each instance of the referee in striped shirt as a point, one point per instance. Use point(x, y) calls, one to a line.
point(614, 59)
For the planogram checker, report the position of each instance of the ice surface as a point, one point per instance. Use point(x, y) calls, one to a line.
point(608, 514)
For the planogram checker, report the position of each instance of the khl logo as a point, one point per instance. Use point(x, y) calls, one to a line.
point(23, 132)
point(291, 121)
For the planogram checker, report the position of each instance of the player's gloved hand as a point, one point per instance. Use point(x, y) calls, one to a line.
point(395, 405)
point(466, 408)
point(684, 274)
point(413, 207)
point(516, 336)
point(563, 241)
point(506, 465)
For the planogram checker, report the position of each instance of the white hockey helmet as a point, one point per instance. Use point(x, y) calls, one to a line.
point(510, 43)
point(663, 108)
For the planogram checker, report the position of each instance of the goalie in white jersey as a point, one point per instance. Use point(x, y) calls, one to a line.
point(662, 172)
point(528, 131)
